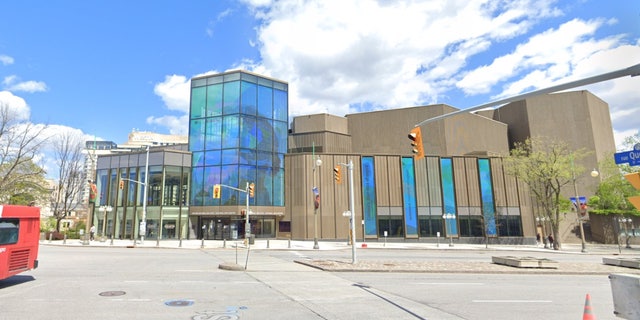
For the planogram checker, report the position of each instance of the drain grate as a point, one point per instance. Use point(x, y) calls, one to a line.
point(178, 303)
point(112, 293)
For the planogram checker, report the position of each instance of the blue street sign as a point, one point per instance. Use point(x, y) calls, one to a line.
point(583, 200)
point(631, 157)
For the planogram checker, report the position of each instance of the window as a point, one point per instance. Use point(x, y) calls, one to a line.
point(9, 231)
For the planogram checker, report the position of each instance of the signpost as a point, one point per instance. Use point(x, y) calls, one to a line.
point(631, 157)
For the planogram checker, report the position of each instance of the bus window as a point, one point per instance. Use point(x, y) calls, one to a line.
point(9, 231)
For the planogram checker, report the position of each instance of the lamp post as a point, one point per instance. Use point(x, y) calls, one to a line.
point(541, 221)
point(105, 209)
point(317, 162)
point(594, 173)
point(447, 218)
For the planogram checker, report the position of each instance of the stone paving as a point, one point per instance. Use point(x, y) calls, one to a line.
point(461, 267)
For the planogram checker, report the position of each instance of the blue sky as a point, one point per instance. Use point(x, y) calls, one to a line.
point(105, 68)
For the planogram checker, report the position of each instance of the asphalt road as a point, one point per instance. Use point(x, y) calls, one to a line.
point(75, 282)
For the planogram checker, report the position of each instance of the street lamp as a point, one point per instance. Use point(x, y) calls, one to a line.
point(316, 163)
point(541, 221)
point(448, 217)
point(594, 173)
point(105, 209)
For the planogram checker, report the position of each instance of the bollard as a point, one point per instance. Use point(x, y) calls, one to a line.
point(50, 237)
point(267, 243)
point(64, 240)
point(111, 240)
point(180, 243)
point(157, 241)
point(202, 244)
point(289, 243)
point(224, 243)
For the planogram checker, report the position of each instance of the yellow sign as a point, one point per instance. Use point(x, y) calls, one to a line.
point(634, 179)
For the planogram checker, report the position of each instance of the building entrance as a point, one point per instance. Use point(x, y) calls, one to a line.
point(219, 229)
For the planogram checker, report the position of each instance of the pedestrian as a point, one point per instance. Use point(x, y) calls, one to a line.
point(92, 232)
point(538, 238)
point(550, 238)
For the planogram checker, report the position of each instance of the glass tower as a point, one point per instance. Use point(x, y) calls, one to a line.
point(238, 126)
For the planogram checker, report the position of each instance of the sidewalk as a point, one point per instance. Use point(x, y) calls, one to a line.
point(281, 244)
point(417, 265)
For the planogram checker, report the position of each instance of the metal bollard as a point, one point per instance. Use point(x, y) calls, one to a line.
point(157, 241)
point(224, 243)
point(180, 243)
point(111, 240)
point(202, 244)
point(50, 237)
point(267, 243)
point(64, 240)
point(289, 243)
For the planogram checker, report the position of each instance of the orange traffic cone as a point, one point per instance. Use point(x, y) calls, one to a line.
point(588, 313)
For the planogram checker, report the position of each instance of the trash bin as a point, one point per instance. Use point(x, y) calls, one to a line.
point(252, 239)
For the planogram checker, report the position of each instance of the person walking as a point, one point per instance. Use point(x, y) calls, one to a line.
point(550, 238)
point(92, 232)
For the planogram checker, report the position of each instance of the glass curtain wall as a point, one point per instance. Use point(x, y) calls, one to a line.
point(238, 135)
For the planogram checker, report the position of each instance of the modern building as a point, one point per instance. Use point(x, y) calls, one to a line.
point(120, 203)
point(238, 125)
point(239, 136)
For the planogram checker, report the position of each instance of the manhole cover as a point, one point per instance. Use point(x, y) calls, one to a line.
point(112, 293)
point(178, 303)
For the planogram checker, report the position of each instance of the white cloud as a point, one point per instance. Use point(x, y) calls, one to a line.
point(340, 55)
point(6, 60)
point(391, 54)
point(174, 91)
point(12, 83)
point(178, 125)
point(15, 104)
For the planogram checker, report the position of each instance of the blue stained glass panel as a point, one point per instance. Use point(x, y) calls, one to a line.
point(214, 100)
point(230, 132)
point(196, 135)
point(213, 133)
point(448, 195)
point(231, 102)
point(280, 105)
point(249, 97)
point(369, 205)
point(265, 102)
point(248, 132)
point(198, 102)
point(278, 187)
point(486, 191)
point(409, 197)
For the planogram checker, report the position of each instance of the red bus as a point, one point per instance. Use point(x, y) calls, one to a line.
point(19, 236)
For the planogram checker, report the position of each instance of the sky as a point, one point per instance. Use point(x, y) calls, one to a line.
point(106, 68)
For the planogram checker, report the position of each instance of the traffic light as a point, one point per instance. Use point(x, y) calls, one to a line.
point(216, 191)
point(251, 190)
point(121, 184)
point(337, 176)
point(416, 143)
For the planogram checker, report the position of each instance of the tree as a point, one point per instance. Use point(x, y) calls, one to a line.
point(21, 178)
point(67, 149)
point(546, 166)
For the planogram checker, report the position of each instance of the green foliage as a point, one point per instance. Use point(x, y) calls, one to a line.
point(613, 191)
point(546, 166)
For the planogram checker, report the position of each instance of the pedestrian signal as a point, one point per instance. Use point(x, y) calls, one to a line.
point(216, 191)
point(121, 184)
